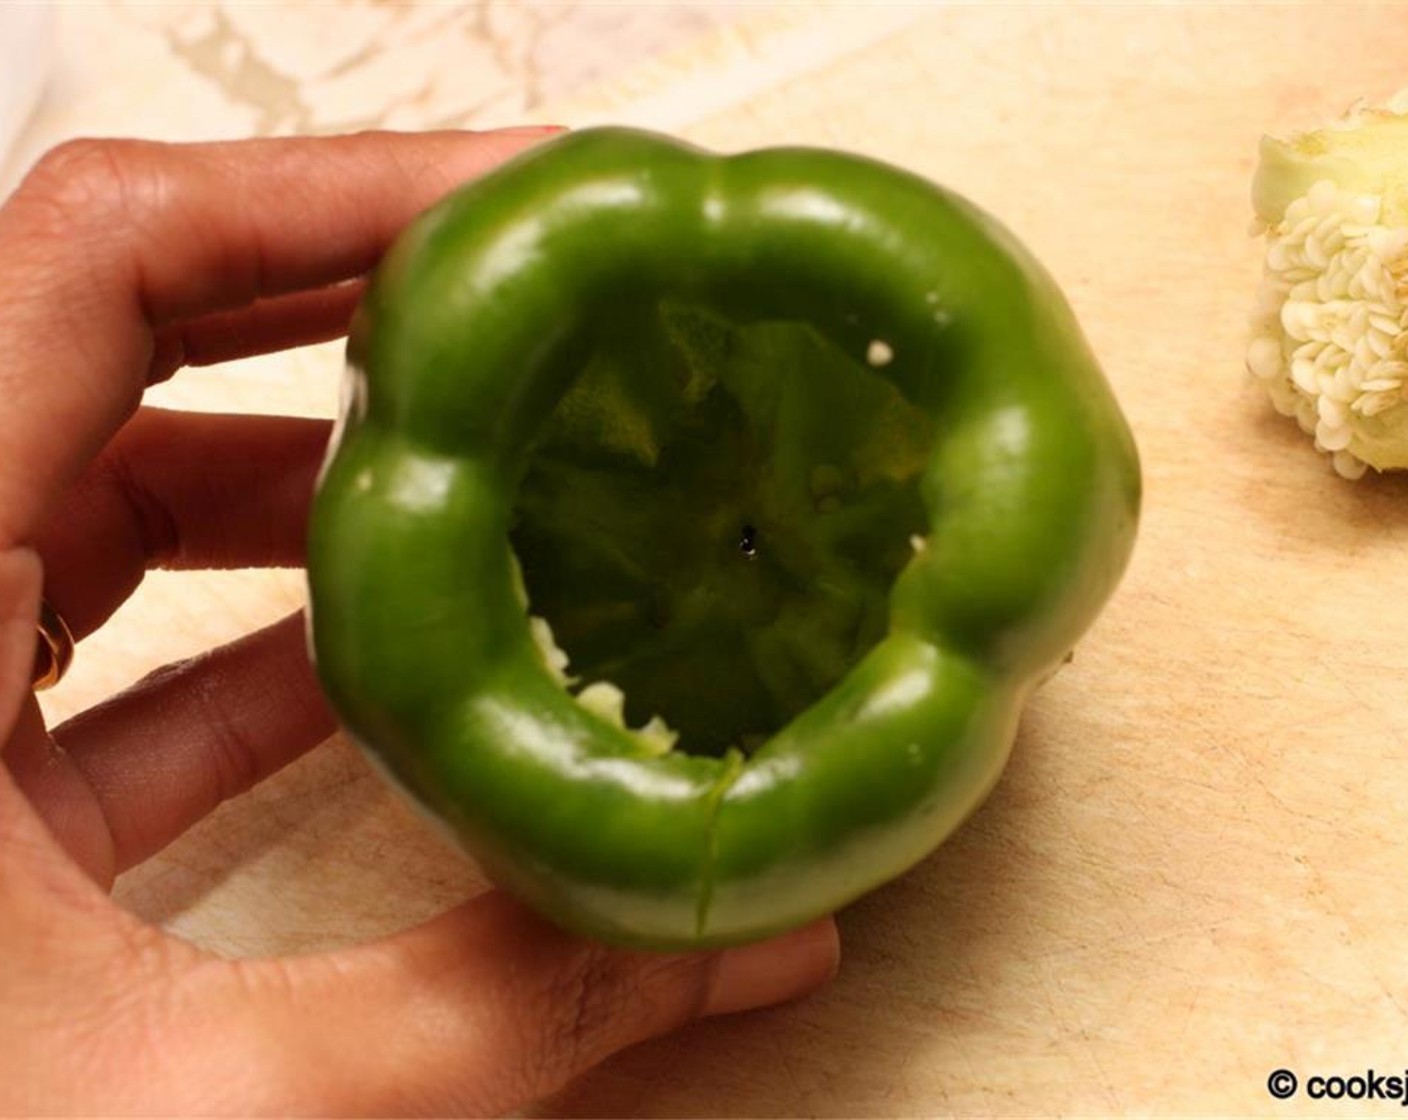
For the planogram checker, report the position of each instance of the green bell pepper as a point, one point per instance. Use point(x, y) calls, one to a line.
point(800, 461)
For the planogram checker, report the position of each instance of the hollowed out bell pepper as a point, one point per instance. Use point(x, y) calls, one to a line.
point(802, 454)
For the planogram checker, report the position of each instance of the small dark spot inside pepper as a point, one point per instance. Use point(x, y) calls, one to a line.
point(748, 541)
point(659, 611)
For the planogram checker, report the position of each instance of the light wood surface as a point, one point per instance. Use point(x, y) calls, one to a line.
point(1192, 872)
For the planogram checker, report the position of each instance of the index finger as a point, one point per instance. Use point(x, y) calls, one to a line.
point(107, 241)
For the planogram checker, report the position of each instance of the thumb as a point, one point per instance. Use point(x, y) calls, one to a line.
point(489, 1007)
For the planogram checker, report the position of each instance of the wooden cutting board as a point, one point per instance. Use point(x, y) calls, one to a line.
point(1192, 873)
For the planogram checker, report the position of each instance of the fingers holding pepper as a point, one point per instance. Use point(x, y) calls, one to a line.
point(111, 243)
point(128, 260)
point(179, 490)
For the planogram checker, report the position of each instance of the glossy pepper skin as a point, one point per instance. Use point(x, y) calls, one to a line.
point(476, 326)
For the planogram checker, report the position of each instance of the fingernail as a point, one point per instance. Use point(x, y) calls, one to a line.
point(775, 971)
point(532, 130)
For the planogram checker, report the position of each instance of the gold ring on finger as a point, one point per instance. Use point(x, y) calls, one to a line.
point(53, 652)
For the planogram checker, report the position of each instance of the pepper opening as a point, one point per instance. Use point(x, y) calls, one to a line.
point(713, 516)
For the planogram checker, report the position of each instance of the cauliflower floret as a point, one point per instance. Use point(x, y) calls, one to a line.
point(1330, 330)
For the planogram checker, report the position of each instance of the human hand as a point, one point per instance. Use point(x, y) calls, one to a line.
point(120, 263)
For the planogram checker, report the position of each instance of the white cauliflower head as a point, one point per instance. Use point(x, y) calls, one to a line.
point(1330, 329)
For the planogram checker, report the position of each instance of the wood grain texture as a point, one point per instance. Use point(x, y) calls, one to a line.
point(1192, 872)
